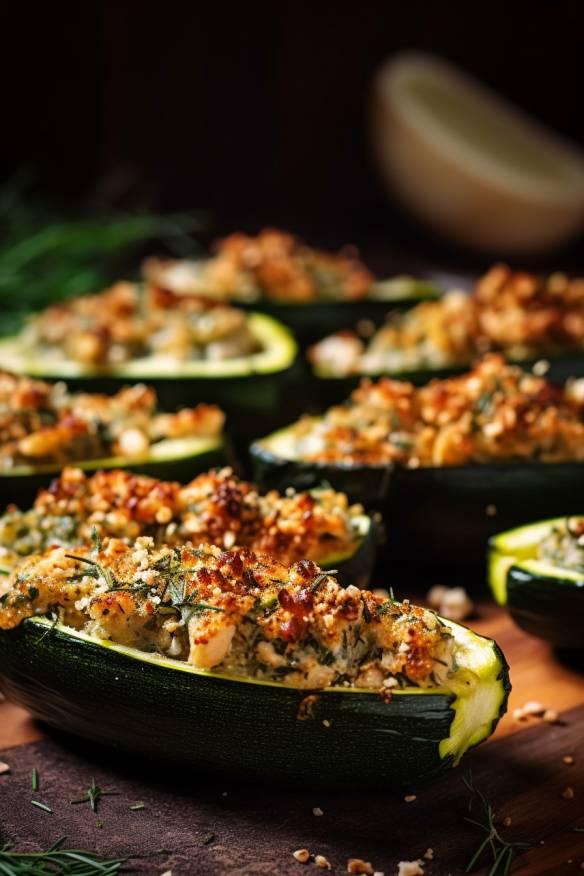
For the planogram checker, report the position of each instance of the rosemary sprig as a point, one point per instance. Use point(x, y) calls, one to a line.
point(99, 570)
point(93, 795)
point(42, 806)
point(502, 852)
point(58, 861)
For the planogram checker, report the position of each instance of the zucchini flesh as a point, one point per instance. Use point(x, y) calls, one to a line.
point(167, 710)
point(546, 601)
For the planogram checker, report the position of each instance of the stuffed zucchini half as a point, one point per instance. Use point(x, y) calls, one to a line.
point(44, 426)
point(523, 316)
point(225, 660)
point(214, 508)
point(537, 571)
point(448, 465)
point(307, 289)
point(185, 346)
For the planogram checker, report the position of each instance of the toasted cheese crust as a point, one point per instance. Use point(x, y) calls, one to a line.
point(237, 612)
point(126, 322)
point(43, 422)
point(216, 507)
point(495, 412)
point(273, 265)
point(519, 314)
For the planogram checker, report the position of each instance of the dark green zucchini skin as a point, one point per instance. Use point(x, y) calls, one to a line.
point(220, 724)
point(311, 322)
point(439, 516)
point(551, 608)
point(21, 490)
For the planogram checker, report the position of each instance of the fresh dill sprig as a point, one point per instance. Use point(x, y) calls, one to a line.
point(57, 860)
point(503, 853)
point(93, 795)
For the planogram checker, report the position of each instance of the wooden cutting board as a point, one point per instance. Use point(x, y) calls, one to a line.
point(214, 826)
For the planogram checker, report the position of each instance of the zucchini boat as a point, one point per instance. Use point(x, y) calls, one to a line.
point(214, 508)
point(521, 315)
point(304, 288)
point(448, 465)
point(44, 427)
point(286, 662)
point(536, 571)
point(246, 387)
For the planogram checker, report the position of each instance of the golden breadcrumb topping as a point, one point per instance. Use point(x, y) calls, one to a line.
point(128, 322)
point(520, 314)
point(273, 265)
point(45, 423)
point(216, 507)
point(496, 412)
point(234, 611)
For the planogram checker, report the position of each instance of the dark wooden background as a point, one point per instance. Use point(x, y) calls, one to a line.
point(257, 111)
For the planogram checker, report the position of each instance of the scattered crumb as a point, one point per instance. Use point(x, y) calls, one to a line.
point(306, 707)
point(550, 716)
point(326, 722)
point(541, 367)
point(322, 862)
point(568, 793)
point(535, 709)
point(301, 855)
point(167, 873)
point(429, 854)
point(4, 768)
point(491, 510)
point(356, 865)
point(410, 868)
point(451, 602)
point(568, 759)
point(410, 798)
point(507, 821)
point(317, 811)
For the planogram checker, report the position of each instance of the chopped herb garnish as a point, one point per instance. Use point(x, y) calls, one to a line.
point(503, 853)
point(93, 795)
point(33, 592)
point(95, 540)
point(137, 807)
point(42, 806)
point(322, 576)
point(34, 779)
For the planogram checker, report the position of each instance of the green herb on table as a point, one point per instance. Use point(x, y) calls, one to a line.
point(137, 807)
point(34, 779)
point(502, 852)
point(93, 795)
point(57, 861)
point(42, 806)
